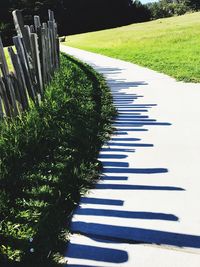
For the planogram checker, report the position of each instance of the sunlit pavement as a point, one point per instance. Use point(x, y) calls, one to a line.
point(145, 209)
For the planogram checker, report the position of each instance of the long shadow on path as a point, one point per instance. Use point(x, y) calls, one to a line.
point(86, 252)
point(137, 234)
point(132, 117)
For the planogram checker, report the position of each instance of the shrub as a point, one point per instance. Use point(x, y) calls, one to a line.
point(167, 8)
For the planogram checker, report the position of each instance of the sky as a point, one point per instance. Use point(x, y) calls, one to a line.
point(147, 1)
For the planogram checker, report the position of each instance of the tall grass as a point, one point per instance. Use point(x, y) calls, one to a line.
point(48, 158)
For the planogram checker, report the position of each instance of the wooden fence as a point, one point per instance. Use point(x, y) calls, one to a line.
point(35, 57)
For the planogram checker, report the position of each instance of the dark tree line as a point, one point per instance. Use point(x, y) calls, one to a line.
point(168, 8)
point(74, 16)
point(100, 14)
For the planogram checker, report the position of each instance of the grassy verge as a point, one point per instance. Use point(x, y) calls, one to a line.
point(48, 159)
point(167, 45)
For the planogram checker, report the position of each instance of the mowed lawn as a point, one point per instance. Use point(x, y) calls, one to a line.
point(170, 46)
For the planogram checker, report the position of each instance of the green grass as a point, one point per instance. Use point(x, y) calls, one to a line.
point(10, 66)
point(48, 159)
point(170, 46)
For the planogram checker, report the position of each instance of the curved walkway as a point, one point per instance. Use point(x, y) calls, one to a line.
point(145, 210)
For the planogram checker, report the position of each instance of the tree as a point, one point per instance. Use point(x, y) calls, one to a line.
point(195, 4)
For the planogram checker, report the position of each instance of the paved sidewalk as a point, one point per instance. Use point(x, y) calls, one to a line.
point(145, 210)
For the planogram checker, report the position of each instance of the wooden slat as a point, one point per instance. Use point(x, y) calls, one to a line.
point(3, 63)
point(29, 53)
point(51, 38)
point(20, 78)
point(13, 100)
point(19, 22)
point(16, 90)
point(51, 15)
point(24, 32)
point(6, 103)
point(48, 52)
point(32, 29)
point(43, 54)
point(1, 104)
point(37, 22)
point(23, 59)
point(57, 45)
point(36, 54)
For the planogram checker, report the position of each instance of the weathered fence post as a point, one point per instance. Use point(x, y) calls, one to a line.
point(34, 63)
point(3, 63)
point(19, 77)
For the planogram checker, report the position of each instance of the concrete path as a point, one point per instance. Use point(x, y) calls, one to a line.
point(145, 210)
